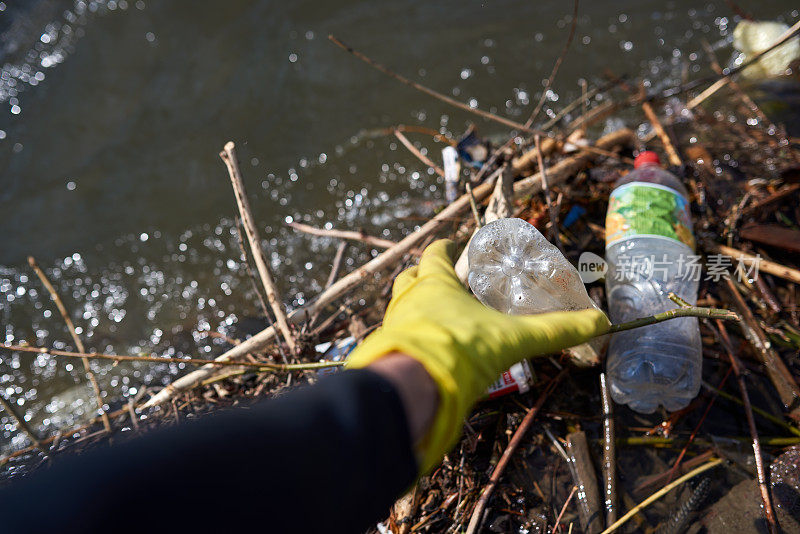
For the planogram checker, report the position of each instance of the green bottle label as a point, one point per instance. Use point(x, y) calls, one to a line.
point(645, 209)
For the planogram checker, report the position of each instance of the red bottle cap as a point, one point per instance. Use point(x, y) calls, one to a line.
point(648, 156)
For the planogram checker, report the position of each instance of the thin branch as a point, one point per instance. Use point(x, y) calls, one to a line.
point(763, 413)
point(676, 465)
point(474, 206)
point(690, 311)
point(672, 153)
point(748, 102)
point(21, 424)
point(564, 509)
point(556, 66)
point(769, 512)
point(54, 439)
point(516, 439)
point(555, 236)
point(98, 395)
point(228, 156)
point(779, 374)
point(261, 366)
point(337, 264)
point(658, 441)
point(334, 274)
point(429, 91)
point(609, 452)
point(578, 102)
point(729, 73)
point(351, 235)
point(420, 156)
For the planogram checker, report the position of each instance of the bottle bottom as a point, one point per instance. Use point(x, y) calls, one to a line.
point(653, 374)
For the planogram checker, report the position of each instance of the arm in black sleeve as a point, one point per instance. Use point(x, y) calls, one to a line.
point(326, 458)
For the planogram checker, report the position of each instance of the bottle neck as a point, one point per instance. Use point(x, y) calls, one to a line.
point(648, 164)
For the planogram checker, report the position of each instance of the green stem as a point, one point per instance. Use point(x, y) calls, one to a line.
point(684, 311)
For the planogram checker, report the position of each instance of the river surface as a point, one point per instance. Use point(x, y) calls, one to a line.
point(112, 115)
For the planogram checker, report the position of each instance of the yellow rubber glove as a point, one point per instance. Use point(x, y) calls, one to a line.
point(464, 345)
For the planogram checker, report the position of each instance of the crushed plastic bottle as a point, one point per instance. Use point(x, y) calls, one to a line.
point(649, 250)
point(514, 269)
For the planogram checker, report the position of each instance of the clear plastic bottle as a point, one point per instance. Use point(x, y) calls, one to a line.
point(514, 269)
point(650, 252)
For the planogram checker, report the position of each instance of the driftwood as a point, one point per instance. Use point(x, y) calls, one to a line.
point(528, 160)
point(431, 92)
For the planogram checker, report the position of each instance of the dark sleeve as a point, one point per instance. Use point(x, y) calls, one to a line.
point(327, 458)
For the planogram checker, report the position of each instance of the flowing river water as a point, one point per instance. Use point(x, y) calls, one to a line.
point(112, 114)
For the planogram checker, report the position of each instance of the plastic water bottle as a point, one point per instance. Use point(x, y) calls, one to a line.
point(514, 269)
point(649, 249)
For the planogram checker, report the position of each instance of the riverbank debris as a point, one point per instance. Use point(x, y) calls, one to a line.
point(506, 473)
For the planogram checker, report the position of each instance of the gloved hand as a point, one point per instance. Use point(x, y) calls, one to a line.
point(463, 345)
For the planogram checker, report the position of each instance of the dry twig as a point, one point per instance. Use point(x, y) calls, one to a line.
point(228, 156)
point(98, 395)
point(522, 429)
point(428, 91)
point(556, 65)
point(672, 153)
point(609, 453)
point(736, 365)
point(420, 156)
point(260, 366)
point(350, 235)
point(554, 232)
point(724, 80)
point(21, 424)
